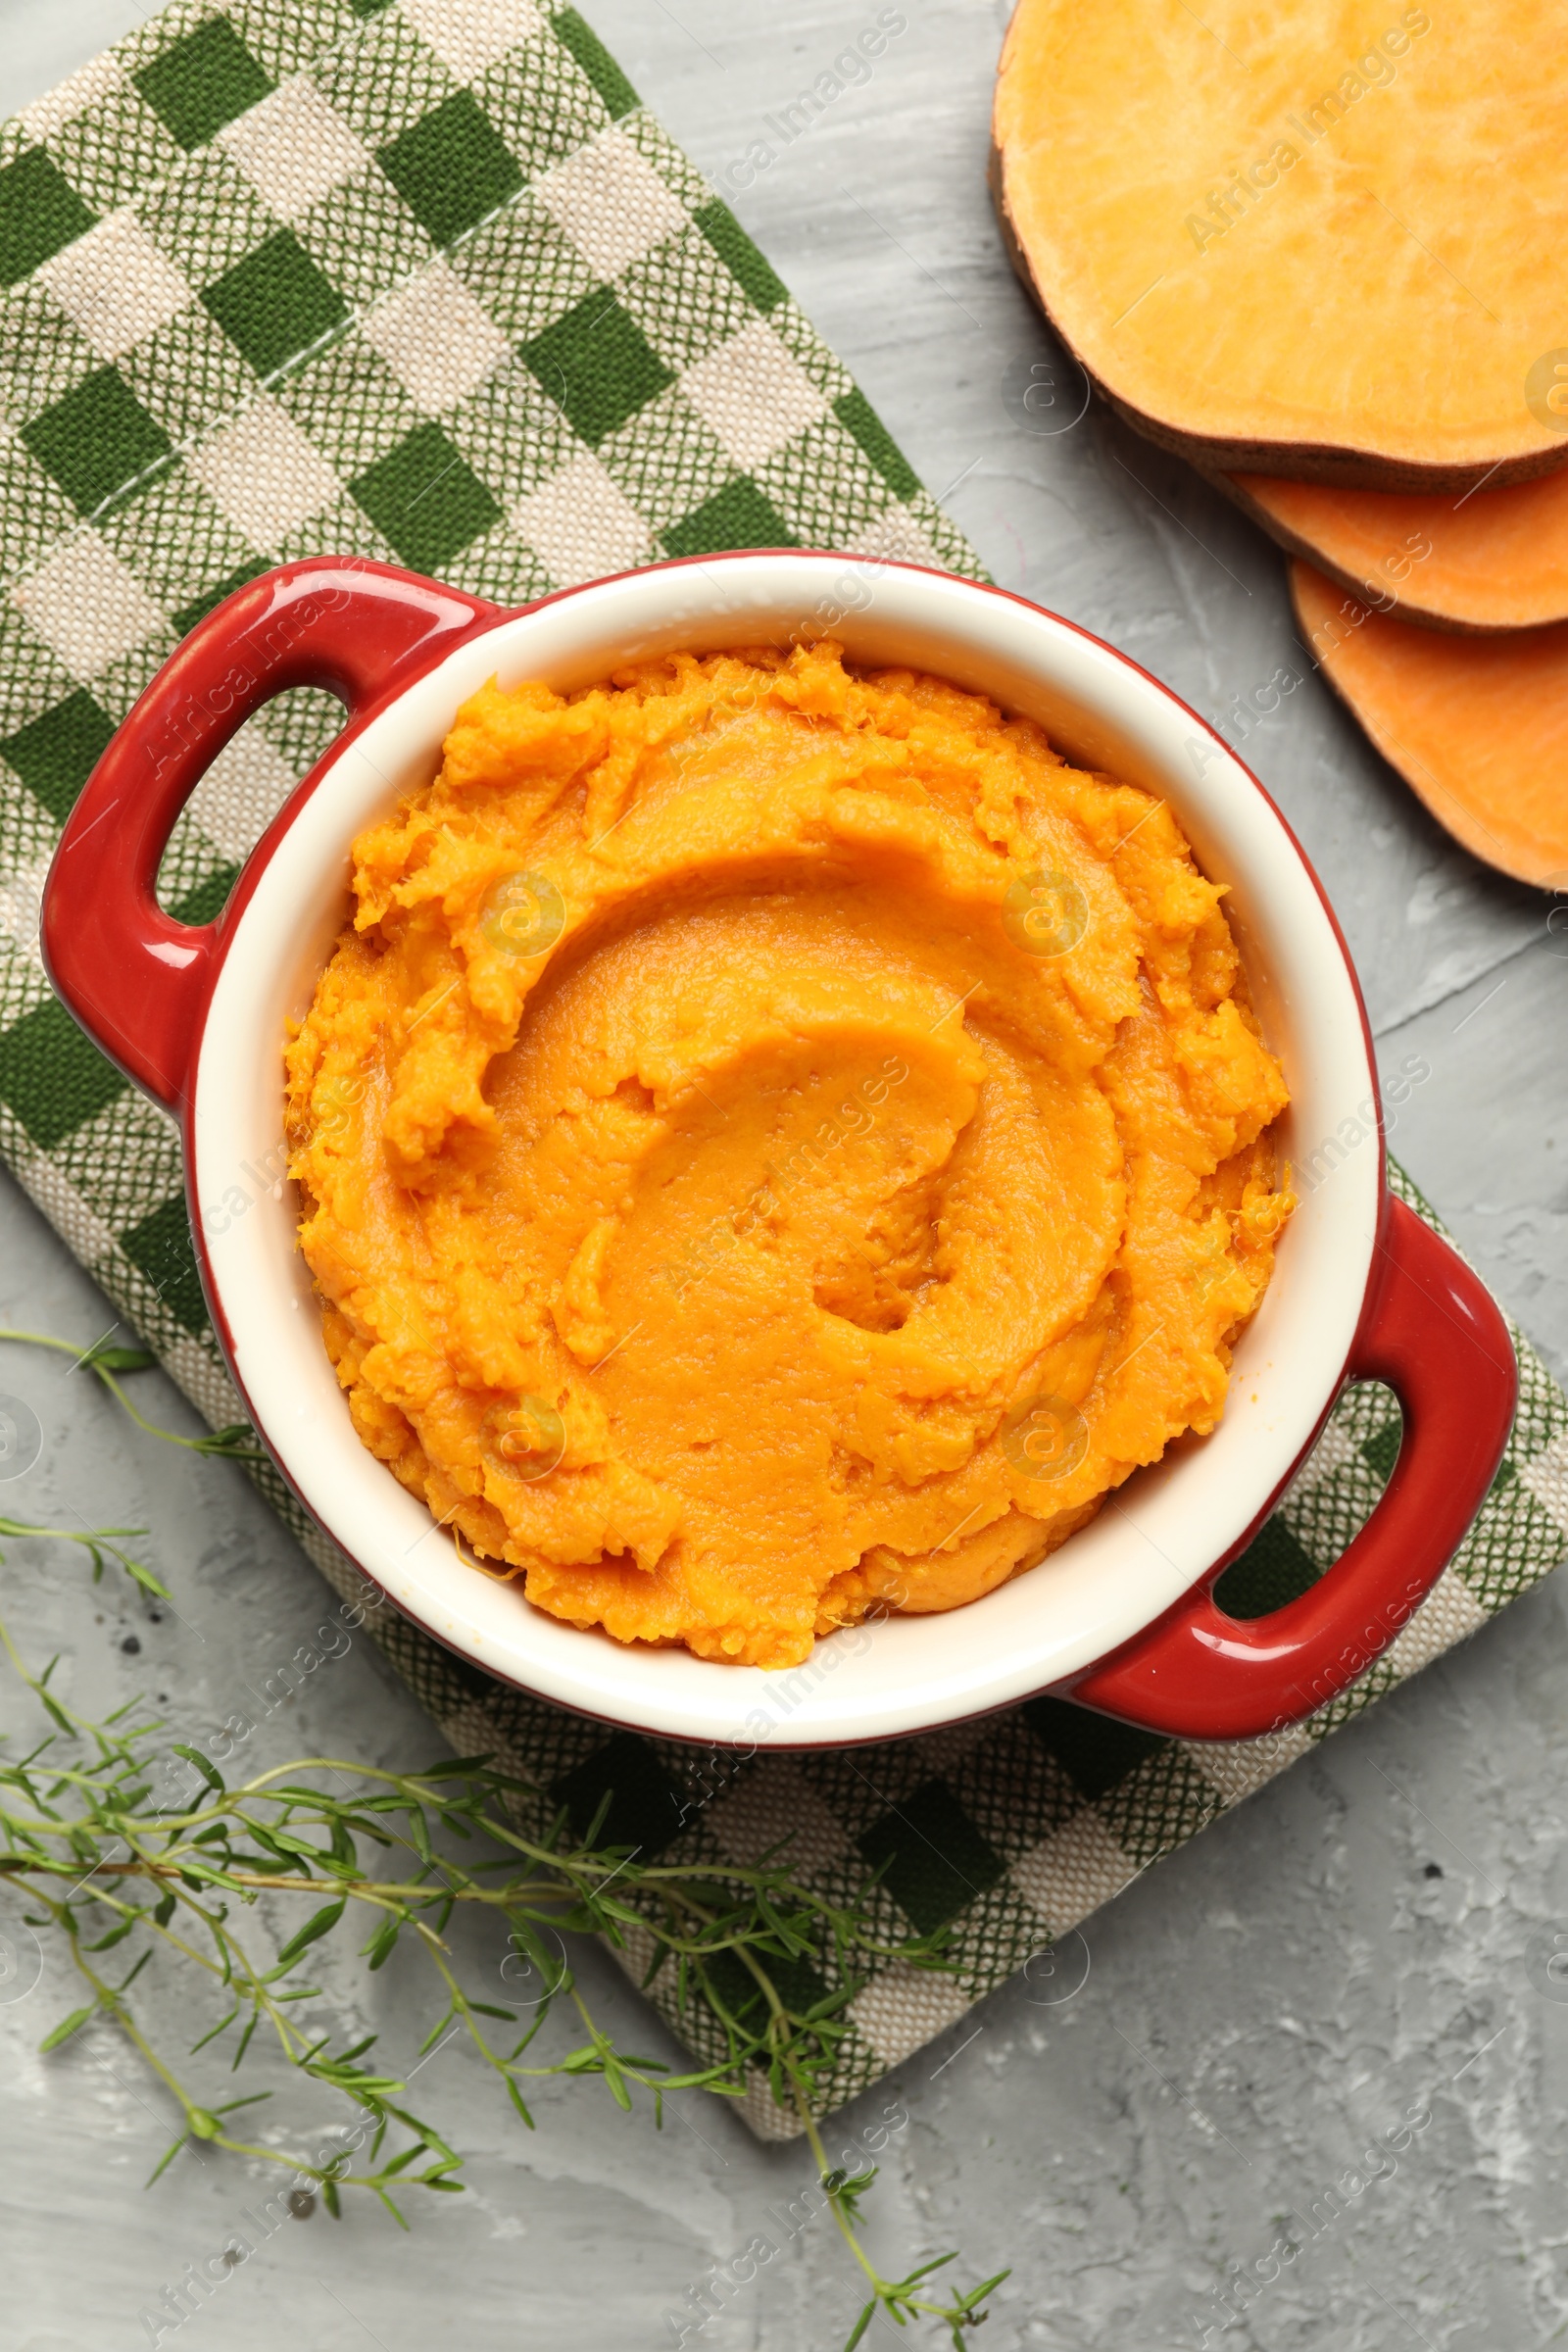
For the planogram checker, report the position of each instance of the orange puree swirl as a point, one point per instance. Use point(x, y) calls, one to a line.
point(776, 1143)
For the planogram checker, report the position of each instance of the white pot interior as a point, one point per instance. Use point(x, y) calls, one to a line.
point(1169, 1524)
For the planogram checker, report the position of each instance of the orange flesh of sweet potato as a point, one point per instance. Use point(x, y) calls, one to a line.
point(1305, 237)
point(862, 1169)
point(1496, 560)
point(1477, 727)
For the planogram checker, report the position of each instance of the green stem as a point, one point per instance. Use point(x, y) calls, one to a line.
point(214, 1442)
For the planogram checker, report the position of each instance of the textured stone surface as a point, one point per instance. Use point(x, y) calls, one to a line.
point(1347, 1950)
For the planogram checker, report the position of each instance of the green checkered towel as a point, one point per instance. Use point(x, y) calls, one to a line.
point(423, 281)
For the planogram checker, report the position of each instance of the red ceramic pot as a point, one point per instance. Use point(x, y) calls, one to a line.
point(1123, 1617)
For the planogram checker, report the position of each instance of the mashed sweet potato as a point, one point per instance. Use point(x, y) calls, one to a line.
point(775, 1143)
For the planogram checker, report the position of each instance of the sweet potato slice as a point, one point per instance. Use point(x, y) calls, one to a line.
point(1477, 727)
point(1496, 560)
point(1298, 238)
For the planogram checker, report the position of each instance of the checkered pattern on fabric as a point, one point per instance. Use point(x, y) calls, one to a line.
point(424, 282)
point(421, 282)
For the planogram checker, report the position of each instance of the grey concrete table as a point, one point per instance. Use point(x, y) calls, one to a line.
point(1348, 1949)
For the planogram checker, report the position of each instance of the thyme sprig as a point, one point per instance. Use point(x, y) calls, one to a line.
point(235, 1444)
point(377, 1851)
point(101, 1544)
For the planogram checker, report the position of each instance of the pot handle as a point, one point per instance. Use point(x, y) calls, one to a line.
point(135, 979)
point(1434, 1333)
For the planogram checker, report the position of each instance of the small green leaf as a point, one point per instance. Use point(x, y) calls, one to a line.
point(166, 2160)
point(382, 1942)
point(435, 2033)
point(207, 1769)
point(430, 2138)
point(586, 2060)
point(926, 2268)
point(320, 1923)
point(391, 2208)
point(117, 1933)
point(66, 2027)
